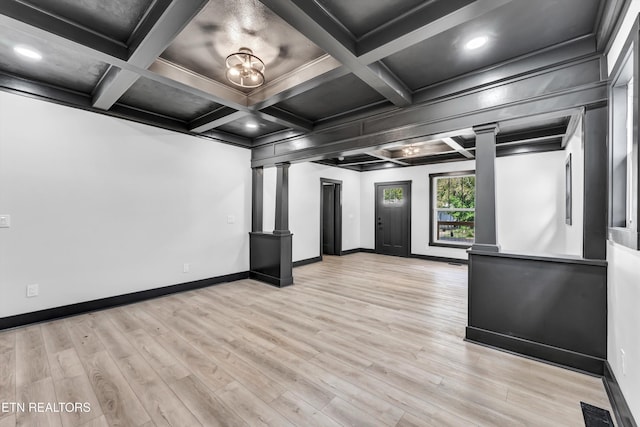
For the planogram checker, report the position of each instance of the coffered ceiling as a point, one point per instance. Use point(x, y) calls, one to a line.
point(162, 62)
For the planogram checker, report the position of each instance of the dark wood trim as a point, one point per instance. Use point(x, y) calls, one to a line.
point(537, 351)
point(279, 282)
point(617, 232)
point(115, 301)
point(624, 417)
point(440, 259)
point(375, 195)
point(355, 251)
point(307, 261)
point(432, 176)
point(546, 258)
point(416, 256)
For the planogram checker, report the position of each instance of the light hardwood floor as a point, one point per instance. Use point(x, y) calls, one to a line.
point(360, 340)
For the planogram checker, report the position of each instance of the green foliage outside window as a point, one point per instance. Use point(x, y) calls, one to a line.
point(393, 195)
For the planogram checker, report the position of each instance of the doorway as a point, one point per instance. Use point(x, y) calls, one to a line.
point(393, 218)
point(330, 217)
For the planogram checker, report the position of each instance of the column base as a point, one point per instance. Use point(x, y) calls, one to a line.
point(271, 258)
point(485, 248)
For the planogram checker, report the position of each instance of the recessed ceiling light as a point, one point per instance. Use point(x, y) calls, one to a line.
point(28, 52)
point(476, 43)
point(252, 126)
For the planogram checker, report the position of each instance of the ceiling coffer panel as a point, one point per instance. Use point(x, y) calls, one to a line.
point(512, 30)
point(251, 127)
point(59, 66)
point(223, 27)
point(332, 98)
point(115, 19)
point(155, 97)
point(363, 16)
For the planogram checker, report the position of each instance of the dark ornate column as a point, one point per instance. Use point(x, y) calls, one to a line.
point(595, 183)
point(282, 199)
point(257, 190)
point(486, 235)
point(271, 255)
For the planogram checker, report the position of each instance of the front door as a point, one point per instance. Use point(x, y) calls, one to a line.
point(393, 218)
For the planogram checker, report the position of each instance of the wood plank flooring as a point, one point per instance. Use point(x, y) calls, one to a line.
point(360, 340)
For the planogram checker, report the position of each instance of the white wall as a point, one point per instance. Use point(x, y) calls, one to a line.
point(623, 321)
point(102, 207)
point(419, 177)
point(530, 200)
point(624, 284)
point(304, 206)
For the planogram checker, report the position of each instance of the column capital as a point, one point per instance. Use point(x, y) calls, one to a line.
point(487, 128)
point(284, 165)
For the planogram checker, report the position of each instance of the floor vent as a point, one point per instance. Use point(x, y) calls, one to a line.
point(595, 417)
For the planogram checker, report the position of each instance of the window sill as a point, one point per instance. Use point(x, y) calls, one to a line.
point(625, 236)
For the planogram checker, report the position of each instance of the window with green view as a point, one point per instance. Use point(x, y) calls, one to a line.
point(454, 202)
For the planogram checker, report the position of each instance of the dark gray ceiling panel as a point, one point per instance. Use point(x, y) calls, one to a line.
point(223, 27)
point(116, 19)
point(512, 30)
point(363, 16)
point(258, 127)
point(152, 96)
point(59, 66)
point(332, 98)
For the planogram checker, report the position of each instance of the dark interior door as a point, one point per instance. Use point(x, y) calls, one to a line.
point(393, 218)
point(328, 219)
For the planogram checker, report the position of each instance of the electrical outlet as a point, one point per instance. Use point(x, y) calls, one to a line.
point(185, 268)
point(623, 362)
point(33, 290)
point(231, 219)
point(5, 221)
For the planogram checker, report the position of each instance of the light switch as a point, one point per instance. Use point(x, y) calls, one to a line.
point(231, 219)
point(5, 221)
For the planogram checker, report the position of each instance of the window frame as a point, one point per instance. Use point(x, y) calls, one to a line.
point(624, 185)
point(433, 206)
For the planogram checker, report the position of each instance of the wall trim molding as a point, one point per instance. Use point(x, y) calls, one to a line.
point(114, 301)
point(416, 256)
point(541, 352)
point(307, 261)
point(624, 417)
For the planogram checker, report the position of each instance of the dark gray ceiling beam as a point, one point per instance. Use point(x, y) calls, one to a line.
point(559, 88)
point(284, 118)
point(385, 156)
point(20, 17)
point(420, 24)
point(348, 140)
point(147, 48)
point(457, 147)
point(177, 77)
point(574, 121)
point(312, 21)
point(215, 118)
point(300, 80)
point(609, 17)
point(532, 136)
